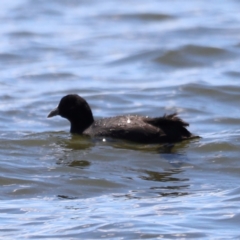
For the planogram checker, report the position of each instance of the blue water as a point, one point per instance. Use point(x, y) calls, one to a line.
point(135, 57)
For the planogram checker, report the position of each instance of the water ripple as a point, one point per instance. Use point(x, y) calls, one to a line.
point(151, 58)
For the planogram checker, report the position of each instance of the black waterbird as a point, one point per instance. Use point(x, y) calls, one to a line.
point(168, 128)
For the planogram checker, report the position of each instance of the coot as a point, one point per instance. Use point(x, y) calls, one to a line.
point(168, 128)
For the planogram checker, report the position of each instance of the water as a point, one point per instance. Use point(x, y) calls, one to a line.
point(141, 57)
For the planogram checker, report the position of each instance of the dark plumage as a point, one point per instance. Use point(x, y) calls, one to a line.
point(168, 128)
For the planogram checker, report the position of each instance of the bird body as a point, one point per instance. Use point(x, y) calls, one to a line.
point(168, 128)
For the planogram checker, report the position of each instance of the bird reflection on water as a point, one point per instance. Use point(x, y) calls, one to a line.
point(163, 179)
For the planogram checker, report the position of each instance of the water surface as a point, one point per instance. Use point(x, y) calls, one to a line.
point(136, 57)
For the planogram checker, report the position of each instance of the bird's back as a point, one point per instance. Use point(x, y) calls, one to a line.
point(168, 128)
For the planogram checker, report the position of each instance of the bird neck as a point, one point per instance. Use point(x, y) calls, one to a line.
point(80, 124)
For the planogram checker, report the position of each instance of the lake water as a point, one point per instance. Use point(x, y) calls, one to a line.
point(141, 57)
